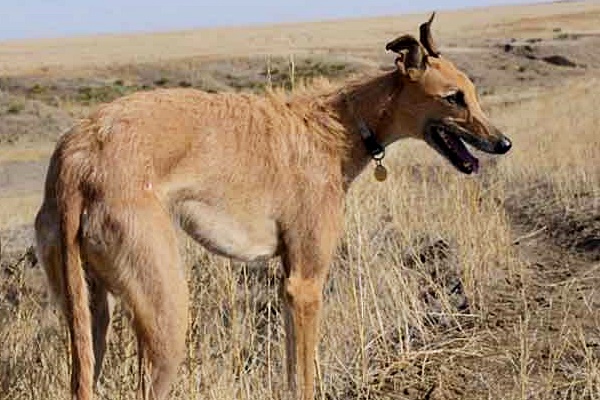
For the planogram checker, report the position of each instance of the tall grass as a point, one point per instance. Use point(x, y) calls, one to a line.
point(429, 297)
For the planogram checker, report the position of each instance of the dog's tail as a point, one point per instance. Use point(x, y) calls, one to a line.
point(70, 206)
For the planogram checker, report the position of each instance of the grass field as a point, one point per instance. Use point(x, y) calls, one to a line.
point(444, 286)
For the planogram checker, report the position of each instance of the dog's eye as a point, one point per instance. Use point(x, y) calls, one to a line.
point(456, 99)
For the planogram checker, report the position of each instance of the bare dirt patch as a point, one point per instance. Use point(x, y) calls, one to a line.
point(575, 229)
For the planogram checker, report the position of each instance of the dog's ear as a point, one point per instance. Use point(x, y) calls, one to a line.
point(411, 60)
point(427, 39)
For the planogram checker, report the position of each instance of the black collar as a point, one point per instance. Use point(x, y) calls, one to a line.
point(375, 149)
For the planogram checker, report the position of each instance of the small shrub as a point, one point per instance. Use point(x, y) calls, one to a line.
point(567, 36)
point(534, 40)
point(37, 89)
point(101, 94)
point(487, 91)
point(15, 108)
point(560, 61)
point(161, 81)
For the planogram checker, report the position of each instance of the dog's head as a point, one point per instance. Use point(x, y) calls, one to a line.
point(442, 102)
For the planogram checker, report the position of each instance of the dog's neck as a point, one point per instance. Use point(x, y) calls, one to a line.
point(362, 107)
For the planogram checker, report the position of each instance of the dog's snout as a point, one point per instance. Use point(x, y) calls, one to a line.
point(502, 146)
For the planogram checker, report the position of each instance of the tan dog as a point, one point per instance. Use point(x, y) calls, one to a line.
point(246, 176)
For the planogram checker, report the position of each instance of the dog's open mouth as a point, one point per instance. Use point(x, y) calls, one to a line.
point(448, 143)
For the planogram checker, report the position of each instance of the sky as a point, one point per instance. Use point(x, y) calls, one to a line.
point(23, 19)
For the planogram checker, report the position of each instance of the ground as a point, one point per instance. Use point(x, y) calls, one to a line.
point(444, 287)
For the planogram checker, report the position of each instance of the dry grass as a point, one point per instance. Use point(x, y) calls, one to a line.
point(429, 294)
point(444, 287)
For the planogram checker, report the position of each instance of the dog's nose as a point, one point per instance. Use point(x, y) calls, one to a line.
point(502, 146)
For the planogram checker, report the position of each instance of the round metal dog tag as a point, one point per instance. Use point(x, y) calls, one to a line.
point(380, 173)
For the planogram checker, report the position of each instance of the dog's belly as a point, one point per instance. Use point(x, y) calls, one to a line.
point(241, 236)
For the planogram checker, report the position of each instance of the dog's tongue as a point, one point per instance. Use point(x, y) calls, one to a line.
point(467, 160)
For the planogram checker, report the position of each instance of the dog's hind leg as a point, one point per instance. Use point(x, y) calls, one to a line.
point(157, 293)
point(140, 263)
point(101, 310)
point(160, 316)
